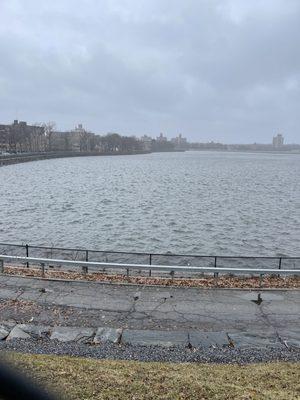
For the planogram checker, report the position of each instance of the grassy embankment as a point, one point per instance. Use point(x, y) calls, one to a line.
point(80, 378)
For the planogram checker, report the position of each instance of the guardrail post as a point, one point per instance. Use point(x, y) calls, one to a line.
point(172, 273)
point(43, 269)
point(150, 263)
point(1, 266)
point(85, 270)
point(216, 276)
point(27, 254)
point(86, 255)
point(106, 260)
point(127, 272)
point(261, 280)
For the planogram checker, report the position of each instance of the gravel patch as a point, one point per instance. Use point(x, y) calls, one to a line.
point(153, 353)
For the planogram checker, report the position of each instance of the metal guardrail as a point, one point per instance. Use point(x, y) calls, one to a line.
point(127, 266)
point(139, 263)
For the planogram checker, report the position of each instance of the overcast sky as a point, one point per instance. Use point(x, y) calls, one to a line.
point(223, 70)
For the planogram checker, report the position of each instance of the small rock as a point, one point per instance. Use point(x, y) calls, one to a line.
point(136, 296)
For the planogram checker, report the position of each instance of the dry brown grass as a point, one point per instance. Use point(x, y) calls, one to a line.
point(205, 282)
point(80, 378)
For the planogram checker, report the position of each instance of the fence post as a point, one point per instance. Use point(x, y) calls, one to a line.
point(27, 255)
point(1, 266)
point(150, 263)
point(85, 269)
point(279, 266)
point(215, 274)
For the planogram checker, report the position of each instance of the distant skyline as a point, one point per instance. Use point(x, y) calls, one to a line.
point(139, 135)
point(221, 70)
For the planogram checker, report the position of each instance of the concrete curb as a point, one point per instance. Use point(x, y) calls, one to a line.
point(161, 338)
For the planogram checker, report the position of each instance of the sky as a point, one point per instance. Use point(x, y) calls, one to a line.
point(221, 70)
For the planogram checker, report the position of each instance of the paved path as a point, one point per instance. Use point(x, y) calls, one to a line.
point(149, 307)
point(141, 307)
point(80, 318)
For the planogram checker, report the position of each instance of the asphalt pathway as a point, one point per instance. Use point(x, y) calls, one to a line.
point(143, 307)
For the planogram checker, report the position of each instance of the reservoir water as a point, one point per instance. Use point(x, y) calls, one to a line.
point(193, 202)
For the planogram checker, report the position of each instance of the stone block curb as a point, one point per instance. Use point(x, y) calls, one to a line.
point(155, 338)
point(135, 337)
point(208, 339)
point(17, 333)
point(104, 335)
point(3, 332)
point(253, 339)
point(290, 338)
point(72, 334)
point(36, 330)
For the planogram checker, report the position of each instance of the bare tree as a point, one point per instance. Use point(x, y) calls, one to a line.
point(49, 130)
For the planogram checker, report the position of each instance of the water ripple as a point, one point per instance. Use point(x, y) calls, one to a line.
point(197, 202)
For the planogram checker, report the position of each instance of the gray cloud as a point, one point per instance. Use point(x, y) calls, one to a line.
point(223, 70)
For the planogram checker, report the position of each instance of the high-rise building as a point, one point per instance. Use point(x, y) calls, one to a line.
point(161, 138)
point(278, 141)
point(179, 142)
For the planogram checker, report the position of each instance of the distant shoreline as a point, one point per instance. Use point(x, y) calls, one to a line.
point(21, 158)
point(249, 151)
point(10, 159)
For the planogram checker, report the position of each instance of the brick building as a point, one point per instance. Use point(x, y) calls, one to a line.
point(20, 137)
